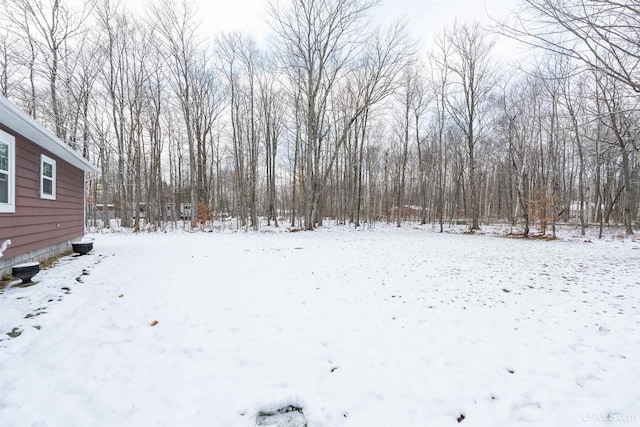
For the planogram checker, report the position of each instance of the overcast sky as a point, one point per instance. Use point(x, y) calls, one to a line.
point(426, 17)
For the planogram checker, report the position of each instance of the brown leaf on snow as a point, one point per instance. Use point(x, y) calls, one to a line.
point(154, 323)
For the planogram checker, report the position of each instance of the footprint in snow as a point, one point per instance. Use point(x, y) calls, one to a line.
point(287, 416)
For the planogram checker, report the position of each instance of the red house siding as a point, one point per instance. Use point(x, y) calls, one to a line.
point(39, 223)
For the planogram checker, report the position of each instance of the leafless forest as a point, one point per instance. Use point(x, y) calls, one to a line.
point(337, 118)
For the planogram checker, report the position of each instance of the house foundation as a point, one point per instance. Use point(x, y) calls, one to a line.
point(40, 255)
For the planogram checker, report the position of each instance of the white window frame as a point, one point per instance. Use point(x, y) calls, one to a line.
point(46, 159)
point(10, 206)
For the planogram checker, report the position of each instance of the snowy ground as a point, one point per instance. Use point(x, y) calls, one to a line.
point(356, 328)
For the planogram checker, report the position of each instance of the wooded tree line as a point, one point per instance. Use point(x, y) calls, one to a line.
point(336, 117)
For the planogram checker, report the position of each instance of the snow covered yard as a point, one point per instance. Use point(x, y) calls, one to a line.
point(357, 328)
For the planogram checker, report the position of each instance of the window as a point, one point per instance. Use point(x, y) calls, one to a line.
point(7, 172)
point(47, 178)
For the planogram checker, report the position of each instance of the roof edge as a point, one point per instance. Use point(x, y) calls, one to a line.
point(18, 121)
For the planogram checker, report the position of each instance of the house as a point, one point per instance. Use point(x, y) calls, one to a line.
point(42, 189)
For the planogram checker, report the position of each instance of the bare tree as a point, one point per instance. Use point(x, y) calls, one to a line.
point(50, 25)
point(470, 65)
point(319, 38)
point(155, 198)
point(82, 69)
point(272, 111)
point(241, 58)
point(439, 88)
point(521, 106)
point(116, 28)
point(576, 110)
point(320, 41)
point(207, 106)
point(8, 63)
point(177, 26)
point(603, 35)
point(409, 101)
point(620, 128)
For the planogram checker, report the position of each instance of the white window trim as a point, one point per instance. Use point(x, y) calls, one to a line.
point(52, 162)
point(10, 207)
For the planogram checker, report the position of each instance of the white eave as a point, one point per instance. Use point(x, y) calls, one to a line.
point(16, 120)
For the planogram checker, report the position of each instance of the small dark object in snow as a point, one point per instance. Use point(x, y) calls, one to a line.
point(15, 333)
point(85, 272)
point(26, 271)
point(334, 368)
point(288, 416)
point(511, 371)
point(461, 418)
point(82, 248)
point(79, 279)
point(37, 313)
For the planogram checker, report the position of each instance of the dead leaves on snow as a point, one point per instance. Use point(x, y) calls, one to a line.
point(153, 323)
